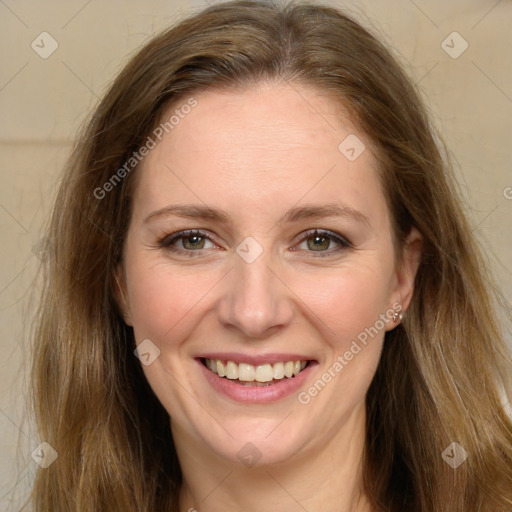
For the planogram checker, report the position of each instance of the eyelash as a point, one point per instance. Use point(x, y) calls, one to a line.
point(168, 241)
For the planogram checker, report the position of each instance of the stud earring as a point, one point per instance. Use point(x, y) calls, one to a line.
point(397, 317)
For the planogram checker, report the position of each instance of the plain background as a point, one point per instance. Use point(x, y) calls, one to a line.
point(44, 101)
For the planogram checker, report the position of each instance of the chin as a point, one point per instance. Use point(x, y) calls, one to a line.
point(257, 447)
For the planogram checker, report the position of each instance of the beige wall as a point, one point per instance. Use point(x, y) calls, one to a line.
point(42, 102)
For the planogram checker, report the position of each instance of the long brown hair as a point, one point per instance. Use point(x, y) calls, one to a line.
point(444, 370)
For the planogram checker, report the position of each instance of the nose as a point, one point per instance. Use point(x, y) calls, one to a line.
point(255, 300)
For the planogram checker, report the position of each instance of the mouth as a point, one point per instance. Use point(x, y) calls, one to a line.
point(259, 375)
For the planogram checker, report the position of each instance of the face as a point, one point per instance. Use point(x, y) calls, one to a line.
point(257, 241)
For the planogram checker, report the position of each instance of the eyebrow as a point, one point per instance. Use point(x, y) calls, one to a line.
point(293, 215)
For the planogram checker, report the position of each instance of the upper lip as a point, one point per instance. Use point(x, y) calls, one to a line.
point(238, 357)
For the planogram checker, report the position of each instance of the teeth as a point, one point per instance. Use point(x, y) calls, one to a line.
point(221, 369)
point(248, 373)
point(278, 371)
point(231, 370)
point(264, 373)
point(288, 368)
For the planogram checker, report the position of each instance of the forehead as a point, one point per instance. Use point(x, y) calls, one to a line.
point(266, 146)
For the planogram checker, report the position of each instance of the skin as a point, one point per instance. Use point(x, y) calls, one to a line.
point(256, 154)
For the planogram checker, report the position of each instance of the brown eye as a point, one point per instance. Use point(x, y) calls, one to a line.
point(193, 242)
point(318, 243)
point(184, 242)
point(323, 242)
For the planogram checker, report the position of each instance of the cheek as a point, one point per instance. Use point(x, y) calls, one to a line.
point(164, 298)
point(348, 311)
point(167, 304)
point(346, 301)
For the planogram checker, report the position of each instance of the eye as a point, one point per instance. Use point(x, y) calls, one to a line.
point(192, 242)
point(187, 241)
point(322, 241)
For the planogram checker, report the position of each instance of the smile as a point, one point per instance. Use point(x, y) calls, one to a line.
point(264, 379)
point(259, 375)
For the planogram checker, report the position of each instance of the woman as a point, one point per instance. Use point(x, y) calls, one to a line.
point(261, 289)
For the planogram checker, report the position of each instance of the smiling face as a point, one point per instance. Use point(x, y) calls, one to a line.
point(290, 258)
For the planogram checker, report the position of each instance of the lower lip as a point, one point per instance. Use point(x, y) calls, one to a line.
point(256, 394)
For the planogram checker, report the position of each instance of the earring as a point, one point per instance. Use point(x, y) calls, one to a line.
point(397, 317)
point(125, 315)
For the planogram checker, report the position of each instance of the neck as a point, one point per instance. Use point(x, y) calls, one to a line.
point(327, 477)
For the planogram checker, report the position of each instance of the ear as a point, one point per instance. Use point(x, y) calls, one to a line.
point(121, 294)
point(406, 270)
